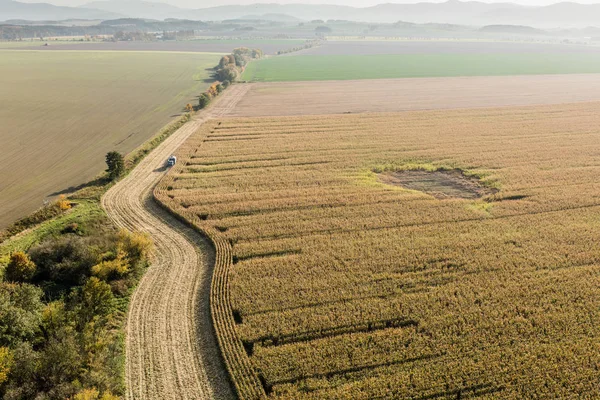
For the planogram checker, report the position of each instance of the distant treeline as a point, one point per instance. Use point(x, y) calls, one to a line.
point(307, 45)
point(16, 30)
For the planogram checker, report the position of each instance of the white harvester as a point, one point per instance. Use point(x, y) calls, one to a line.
point(171, 161)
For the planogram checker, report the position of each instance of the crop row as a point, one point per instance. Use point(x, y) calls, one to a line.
point(343, 287)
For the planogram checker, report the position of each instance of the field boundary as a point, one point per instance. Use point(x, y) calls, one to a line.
point(243, 375)
point(100, 184)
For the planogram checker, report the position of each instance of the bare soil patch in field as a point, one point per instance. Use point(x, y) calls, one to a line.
point(441, 184)
point(390, 95)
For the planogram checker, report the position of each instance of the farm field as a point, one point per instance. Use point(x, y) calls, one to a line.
point(34, 44)
point(346, 287)
point(337, 97)
point(269, 46)
point(63, 111)
point(380, 66)
point(407, 47)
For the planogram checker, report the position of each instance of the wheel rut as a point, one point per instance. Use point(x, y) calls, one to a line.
point(171, 347)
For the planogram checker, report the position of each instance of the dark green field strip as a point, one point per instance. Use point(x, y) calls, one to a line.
point(345, 67)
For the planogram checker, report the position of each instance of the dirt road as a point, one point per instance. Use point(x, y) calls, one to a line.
point(171, 348)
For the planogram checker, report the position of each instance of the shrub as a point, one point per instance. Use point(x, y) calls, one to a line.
point(94, 394)
point(65, 260)
point(229, 73)
point(225, 84)
point(137, 246)
point(115, 164)
point(213, 91)
point(96, 299)
point(71, 228)
point(20, 267)
point(87, 394)
point(20, 313)
point(203, 101)
point(62, 203)
point(111, 269)
point(6, 363)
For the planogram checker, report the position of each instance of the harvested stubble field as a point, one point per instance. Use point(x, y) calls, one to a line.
point(269, 46)
point(337, 97)
point(343, 287)
point(63, 111)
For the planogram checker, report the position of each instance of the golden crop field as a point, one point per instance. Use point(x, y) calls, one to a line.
point(344, 287)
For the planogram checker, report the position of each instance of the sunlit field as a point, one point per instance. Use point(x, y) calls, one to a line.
point(345, 286)
point(63, 111)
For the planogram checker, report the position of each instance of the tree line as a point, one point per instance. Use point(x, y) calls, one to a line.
point(230, 68)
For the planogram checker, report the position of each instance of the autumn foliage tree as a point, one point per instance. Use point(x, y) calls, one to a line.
point(212, 90)
point(63, 203)
point(231, 66)
point(20, 268)
point(6, 363)
point(96, 299)
point(94, 394)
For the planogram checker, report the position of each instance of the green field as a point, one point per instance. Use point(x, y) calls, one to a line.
point(63, 111)
point(343, 67)
point(250, 42)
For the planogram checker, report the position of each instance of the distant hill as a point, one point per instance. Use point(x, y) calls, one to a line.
point(150, 25)
point(565, 14)
point(475, 13)
point(13, 10)
point(513, 29)
point(140, 9)
point(272, 17)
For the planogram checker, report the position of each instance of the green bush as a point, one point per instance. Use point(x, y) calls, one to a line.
point(203, 101)
point(116, 165)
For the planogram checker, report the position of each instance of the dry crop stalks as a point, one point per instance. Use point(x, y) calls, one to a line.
point(345, 287)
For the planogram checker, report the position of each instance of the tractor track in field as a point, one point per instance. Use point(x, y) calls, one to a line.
point(171, 347)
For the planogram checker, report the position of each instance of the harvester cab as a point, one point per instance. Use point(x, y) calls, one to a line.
point(171, 161)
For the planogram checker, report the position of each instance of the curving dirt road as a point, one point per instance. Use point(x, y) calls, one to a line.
point(171, 348)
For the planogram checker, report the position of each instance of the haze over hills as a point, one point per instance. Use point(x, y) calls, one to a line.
point(43, 11)
point(565, 15)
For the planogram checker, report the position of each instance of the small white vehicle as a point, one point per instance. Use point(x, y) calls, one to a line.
point(171, 161)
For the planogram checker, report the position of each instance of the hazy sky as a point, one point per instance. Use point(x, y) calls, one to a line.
point(356, 3)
